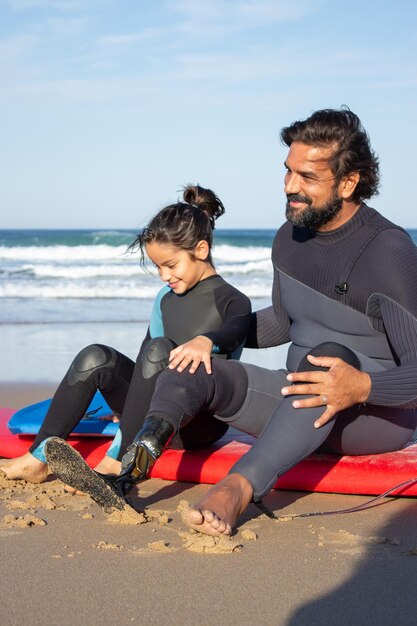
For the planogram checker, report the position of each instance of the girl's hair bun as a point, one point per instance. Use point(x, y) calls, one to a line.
point(204, 199)
point(183, 224)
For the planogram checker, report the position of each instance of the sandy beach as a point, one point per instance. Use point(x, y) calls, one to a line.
point(110, 111)
point(63, 561)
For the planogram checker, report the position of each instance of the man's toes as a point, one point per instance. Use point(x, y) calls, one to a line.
point(209, 516)
point(193, 516)
point(216, 522)
point(206, 521)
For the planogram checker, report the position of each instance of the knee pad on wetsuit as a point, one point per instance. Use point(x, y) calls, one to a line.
point(89, 360)
point(329, 348)
point(155, 356)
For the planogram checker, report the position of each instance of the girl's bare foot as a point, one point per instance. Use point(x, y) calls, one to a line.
point(219, 510)
point(107, 465)
point(27, 467)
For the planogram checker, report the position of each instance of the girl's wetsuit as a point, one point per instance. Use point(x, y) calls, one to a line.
point(352, 289)
point(212, 308)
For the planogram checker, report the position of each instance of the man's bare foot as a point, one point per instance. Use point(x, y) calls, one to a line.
point(107, 465)
point(219, 510)
point(26, 467)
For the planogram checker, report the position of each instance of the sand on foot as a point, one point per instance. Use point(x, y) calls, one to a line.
point(25, 467)
point(218, 511)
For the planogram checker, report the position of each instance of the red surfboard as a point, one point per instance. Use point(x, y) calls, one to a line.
point(372, 474)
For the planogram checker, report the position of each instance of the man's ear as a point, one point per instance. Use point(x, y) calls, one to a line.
point(201, 251)
point(348, 185)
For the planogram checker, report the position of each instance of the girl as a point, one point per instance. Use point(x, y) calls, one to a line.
point(197, 315)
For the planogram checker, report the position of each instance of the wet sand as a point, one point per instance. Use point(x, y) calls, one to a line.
point(63, 561)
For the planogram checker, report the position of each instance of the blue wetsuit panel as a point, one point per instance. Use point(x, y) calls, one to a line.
point(156, 325)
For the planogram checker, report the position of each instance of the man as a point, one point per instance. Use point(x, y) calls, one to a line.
point(344, 294)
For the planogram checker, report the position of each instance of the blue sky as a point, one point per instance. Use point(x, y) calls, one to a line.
point(108, 107)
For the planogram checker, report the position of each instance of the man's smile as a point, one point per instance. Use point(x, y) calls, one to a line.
point(297, 200)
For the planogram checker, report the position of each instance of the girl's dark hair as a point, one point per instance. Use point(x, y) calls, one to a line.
point(342, 130)
point(183, 224)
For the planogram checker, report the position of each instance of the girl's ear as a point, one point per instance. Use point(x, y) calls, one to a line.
point(201, 251)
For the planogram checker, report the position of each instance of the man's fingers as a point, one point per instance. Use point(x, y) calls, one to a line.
point(322, 361)
point(308, 403)
point(300, 390)
point(315, 400)
point(306, 377)
point(328, 414)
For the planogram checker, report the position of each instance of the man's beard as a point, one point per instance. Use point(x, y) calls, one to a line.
point(312, 216)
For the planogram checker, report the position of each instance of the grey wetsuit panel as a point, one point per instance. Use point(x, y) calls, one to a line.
point(317, 318)
point(262, 398)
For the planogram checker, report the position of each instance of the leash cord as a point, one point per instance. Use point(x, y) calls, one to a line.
point(360, 507)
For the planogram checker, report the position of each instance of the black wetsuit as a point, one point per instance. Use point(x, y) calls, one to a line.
point(212, 308)
point(354, 287)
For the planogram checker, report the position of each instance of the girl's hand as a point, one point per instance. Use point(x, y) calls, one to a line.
point(337, 389)
point(110, 418)
point(195, 351)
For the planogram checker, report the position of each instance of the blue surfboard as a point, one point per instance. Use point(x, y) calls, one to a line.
point(27, 421)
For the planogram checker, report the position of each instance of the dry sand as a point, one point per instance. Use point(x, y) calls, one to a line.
point(64, 562)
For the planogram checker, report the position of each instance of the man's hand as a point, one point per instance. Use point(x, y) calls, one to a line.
point(339, 388)
point(195, 351)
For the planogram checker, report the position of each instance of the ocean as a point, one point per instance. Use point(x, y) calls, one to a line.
point(63, 289)
point(87, 275)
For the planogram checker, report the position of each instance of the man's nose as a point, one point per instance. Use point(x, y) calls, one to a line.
point(292, 183)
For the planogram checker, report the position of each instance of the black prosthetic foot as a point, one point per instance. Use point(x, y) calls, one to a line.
point(70, 467)
point(147, 446)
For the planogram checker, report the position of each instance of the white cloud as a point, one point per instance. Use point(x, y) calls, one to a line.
point(146, 35)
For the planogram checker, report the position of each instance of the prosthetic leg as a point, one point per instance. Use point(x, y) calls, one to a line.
point(147, 446)
point(109, 491)
point(68, 465)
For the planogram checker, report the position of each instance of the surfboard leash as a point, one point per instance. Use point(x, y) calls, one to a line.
point(360, 507)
